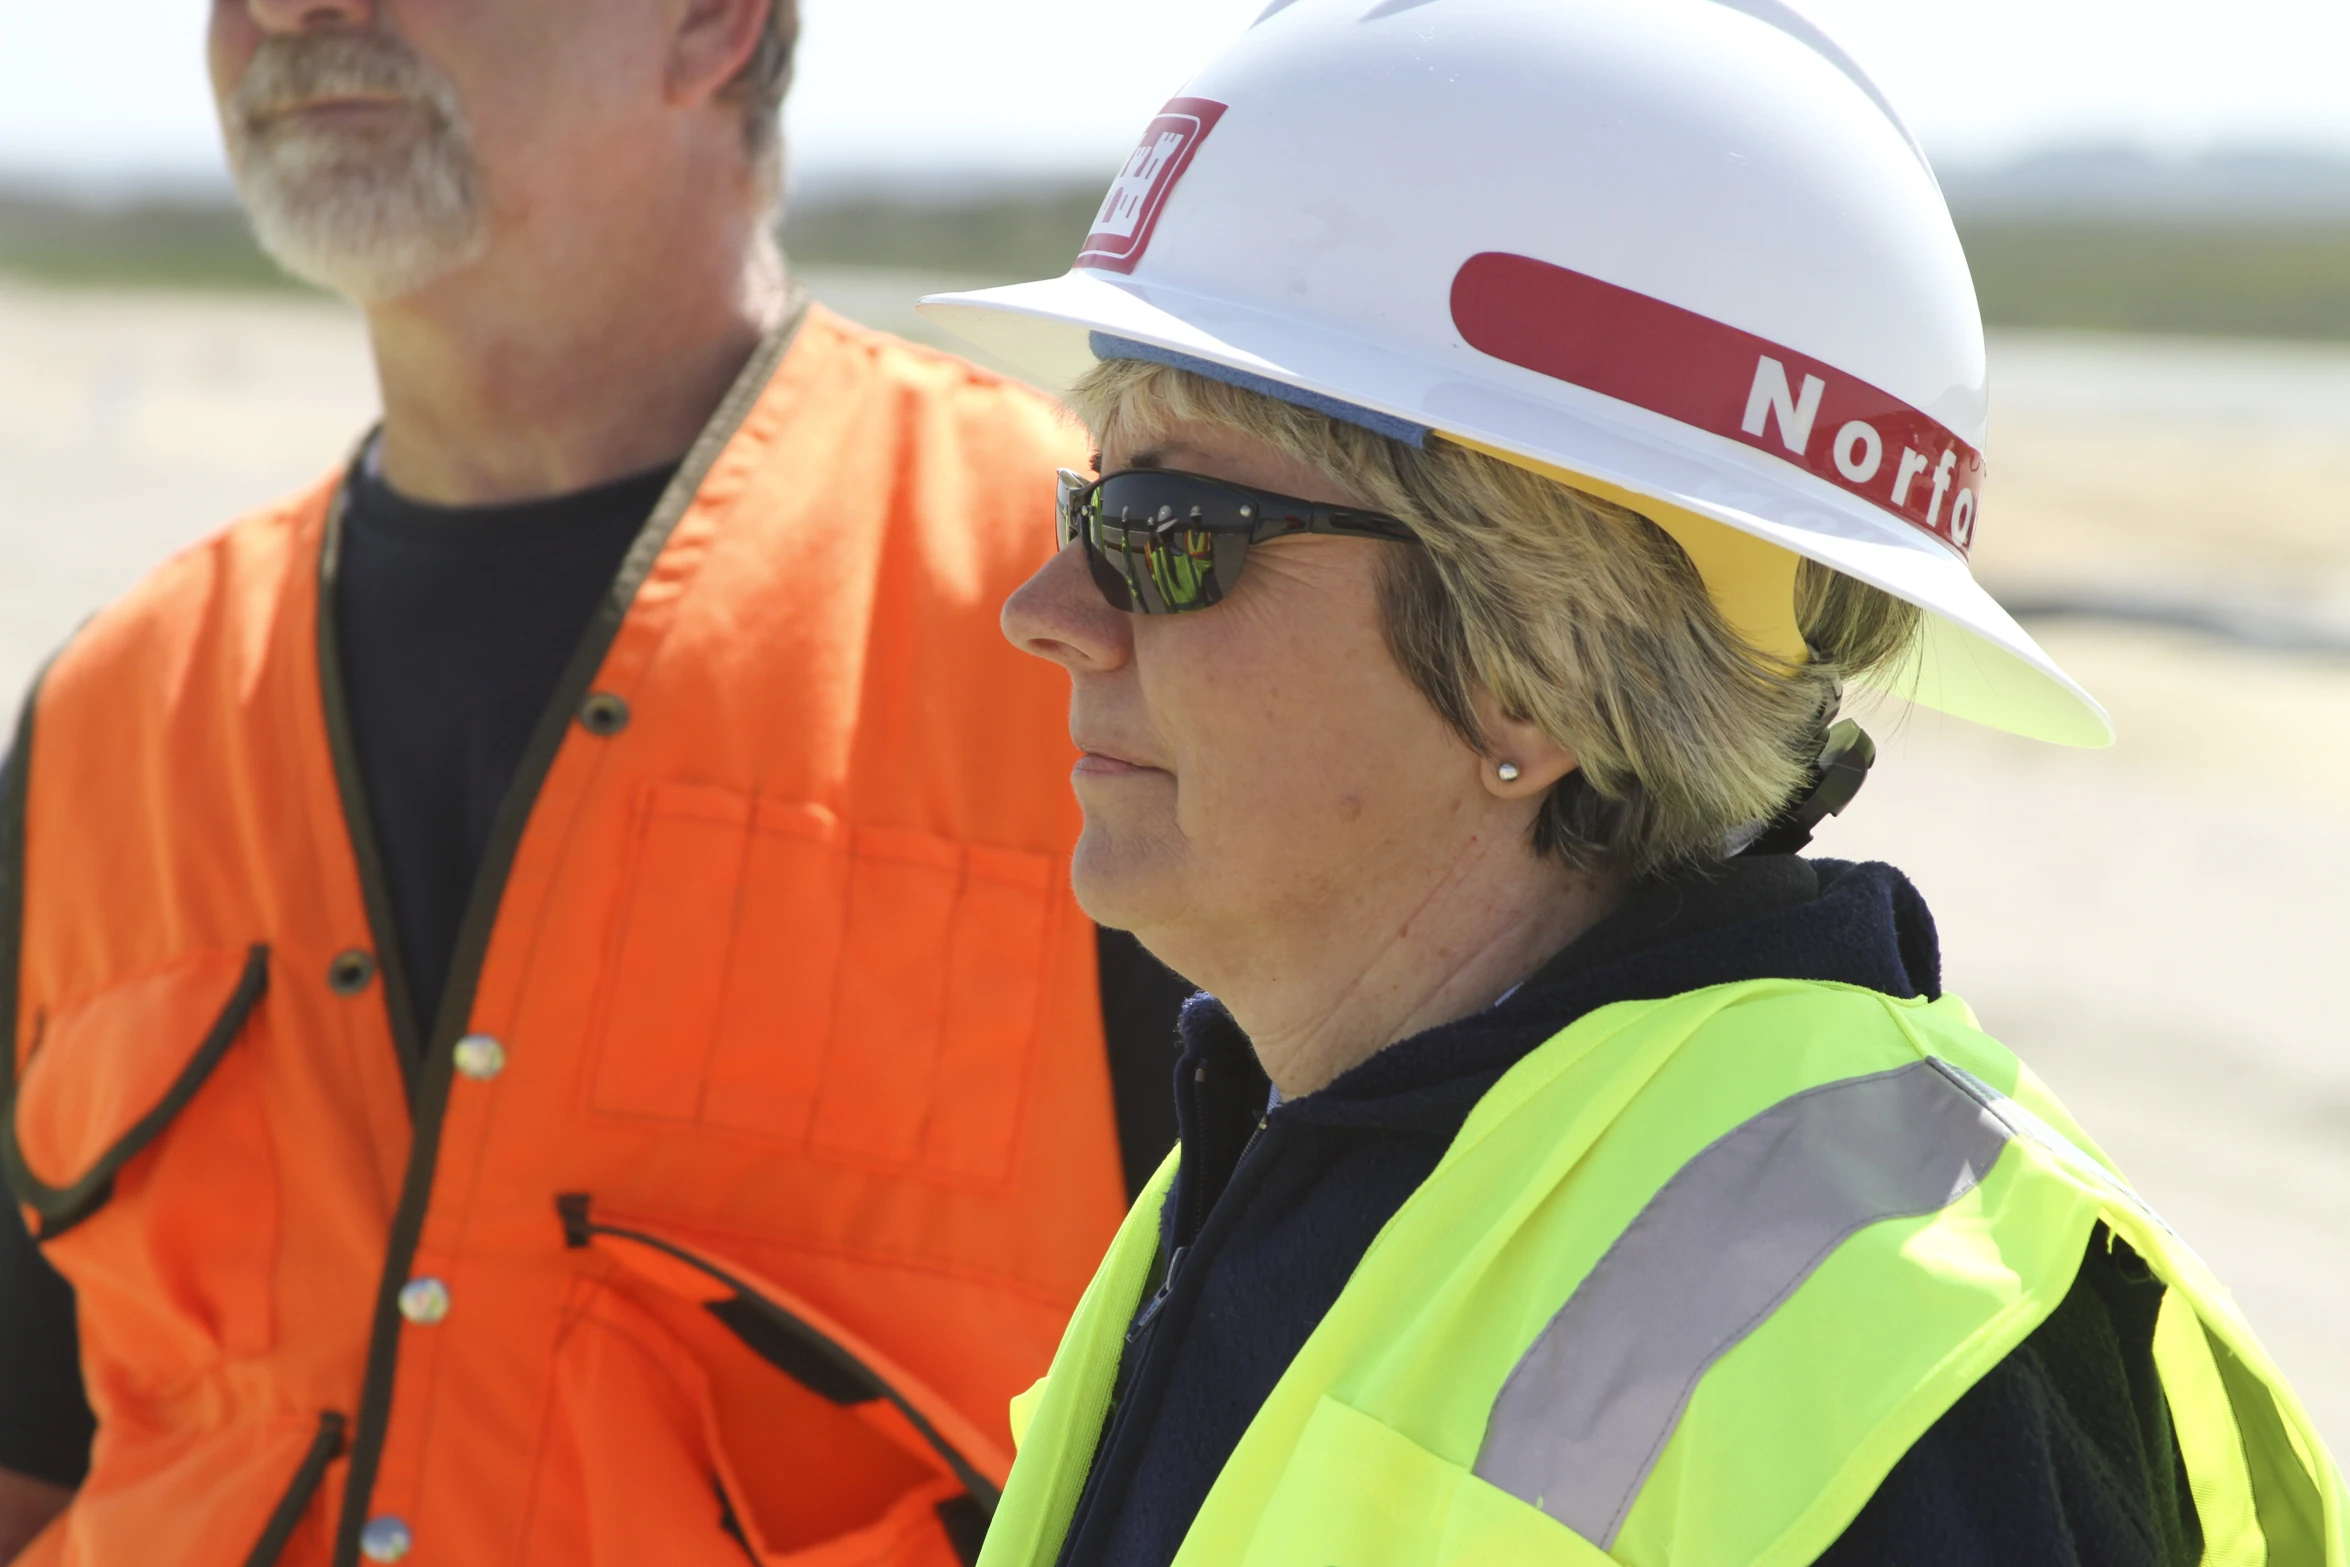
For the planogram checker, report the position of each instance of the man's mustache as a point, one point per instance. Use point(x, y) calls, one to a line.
point(289, 71)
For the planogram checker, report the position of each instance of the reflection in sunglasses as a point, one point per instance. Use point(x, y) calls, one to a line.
point(1181, 574)
point(1160, 542)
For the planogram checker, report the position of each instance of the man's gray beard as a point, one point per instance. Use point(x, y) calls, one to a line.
point(373, 212)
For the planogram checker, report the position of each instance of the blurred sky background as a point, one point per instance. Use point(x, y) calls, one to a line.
point(110, 91)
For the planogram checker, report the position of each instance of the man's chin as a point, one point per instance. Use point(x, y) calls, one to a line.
point(351, 226)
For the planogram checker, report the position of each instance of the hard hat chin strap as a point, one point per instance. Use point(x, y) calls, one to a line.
point(1846, 754)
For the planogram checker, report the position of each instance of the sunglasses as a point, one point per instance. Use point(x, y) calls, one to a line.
point(1165, 543)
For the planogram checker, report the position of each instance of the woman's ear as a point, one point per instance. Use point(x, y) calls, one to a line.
point(710, 43)
point(1521, 762)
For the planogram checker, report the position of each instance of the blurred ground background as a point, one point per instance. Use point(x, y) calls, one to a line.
point(2160, 928)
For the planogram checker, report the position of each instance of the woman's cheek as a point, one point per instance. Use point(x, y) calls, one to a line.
point(1284, 771)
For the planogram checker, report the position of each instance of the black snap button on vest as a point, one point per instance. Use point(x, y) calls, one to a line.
point(349, 973)
point(603, 714)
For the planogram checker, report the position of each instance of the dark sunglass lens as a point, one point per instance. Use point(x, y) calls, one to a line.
point(1156, 536)
point(1105, 565)
point(1183, 568)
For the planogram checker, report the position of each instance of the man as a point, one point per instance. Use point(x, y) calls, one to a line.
point(549, 1025)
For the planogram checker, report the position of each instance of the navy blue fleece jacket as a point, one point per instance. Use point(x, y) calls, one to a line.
point(2062, 1455)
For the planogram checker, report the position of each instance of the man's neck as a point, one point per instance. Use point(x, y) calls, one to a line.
point(527, 375)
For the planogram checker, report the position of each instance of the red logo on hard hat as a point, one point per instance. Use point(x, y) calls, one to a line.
point(1689, 367)
point(1122, 230)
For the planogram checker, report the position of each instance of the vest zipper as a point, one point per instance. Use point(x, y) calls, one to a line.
point(1188, 1224)
point(1149, 1313)
point(325, 1448)
point(1117, 1449)
point(805, 1353)
point(426, 1059)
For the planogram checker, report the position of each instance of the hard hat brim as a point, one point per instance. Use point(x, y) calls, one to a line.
point(1973, 660)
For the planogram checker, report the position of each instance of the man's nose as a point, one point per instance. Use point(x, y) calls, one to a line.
point(1059, 614)
point(309, 16)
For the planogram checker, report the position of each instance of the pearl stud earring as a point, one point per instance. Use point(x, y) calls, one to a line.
point(1508, 772)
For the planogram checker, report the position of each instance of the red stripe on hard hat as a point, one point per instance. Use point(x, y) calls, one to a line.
point(1689, 367)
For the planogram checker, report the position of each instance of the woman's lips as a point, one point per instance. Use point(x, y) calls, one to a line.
point(1100, 764)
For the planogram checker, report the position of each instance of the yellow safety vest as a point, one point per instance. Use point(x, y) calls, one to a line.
point(1692, 1278)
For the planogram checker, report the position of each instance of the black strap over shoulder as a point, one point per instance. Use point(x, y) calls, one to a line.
point(1846, 755)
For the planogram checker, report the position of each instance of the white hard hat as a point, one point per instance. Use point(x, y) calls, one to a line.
point(1681, 253)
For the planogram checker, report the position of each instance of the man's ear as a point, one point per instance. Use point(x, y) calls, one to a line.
point(1521, 762)
point(709, 44)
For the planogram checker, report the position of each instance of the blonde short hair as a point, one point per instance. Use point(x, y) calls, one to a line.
point(1577, 614)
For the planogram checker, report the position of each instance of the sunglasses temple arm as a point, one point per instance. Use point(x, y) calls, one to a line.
point(1357, 524)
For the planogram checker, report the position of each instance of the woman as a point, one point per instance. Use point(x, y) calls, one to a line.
point(1569, 1171)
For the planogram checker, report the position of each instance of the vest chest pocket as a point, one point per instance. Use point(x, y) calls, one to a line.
point(867, 995)
point(141, 1108)
point(1355, 1492)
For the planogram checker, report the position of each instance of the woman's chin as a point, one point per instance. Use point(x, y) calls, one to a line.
point(1124, 880)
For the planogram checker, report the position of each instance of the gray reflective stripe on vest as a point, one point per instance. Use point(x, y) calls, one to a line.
point(2068, 1155)
point(1735, 1232)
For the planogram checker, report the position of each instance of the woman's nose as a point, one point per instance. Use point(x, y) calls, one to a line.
point(1060, 615)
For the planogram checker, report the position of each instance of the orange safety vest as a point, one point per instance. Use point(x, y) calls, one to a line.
point(763, 1143)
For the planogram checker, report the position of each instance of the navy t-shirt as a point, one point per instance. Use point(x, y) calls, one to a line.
point(453, 628)
point(453, 625)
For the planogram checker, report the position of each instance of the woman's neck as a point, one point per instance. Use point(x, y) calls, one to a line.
point(1347, 985)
